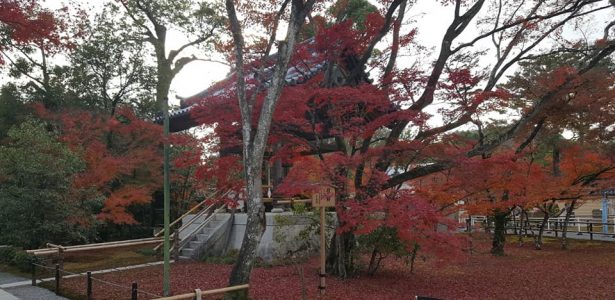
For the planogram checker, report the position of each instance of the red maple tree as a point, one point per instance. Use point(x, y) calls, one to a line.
point(24, 22)
point(121, 154)
point(374, 137)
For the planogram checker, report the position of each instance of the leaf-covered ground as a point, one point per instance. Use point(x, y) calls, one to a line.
point(586, 271)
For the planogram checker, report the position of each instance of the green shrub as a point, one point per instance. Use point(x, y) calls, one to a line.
point(23, 261)
point(228, 259)
point(148, 251)
point(7, 254)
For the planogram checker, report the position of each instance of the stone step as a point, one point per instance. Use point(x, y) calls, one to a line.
point(212, 224)
point(195, 244)
point(187, 252)
point(202, 236)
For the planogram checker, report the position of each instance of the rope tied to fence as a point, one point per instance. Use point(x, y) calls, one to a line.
point(124, 287)
point(98, 280)
point(43, 266)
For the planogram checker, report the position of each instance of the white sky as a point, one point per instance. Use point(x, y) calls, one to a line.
point(429, 17)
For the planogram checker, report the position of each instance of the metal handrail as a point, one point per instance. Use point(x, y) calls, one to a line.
point(189, 237)
point(191, 211)
point(196, 217)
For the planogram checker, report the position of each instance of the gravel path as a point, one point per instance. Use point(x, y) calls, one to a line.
point(9, 278)
point(26, 292)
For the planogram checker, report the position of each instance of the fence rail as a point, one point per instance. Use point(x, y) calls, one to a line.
point(579, 226)
point(198, 293)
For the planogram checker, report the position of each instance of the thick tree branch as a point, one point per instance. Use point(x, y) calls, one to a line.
point(173, 53)
point(395, 47)
point(414, 173)
point(531, 137)
point(522, 21)
point(388, 20)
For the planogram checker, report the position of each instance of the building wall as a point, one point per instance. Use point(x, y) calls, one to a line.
point(589, 205)
point(284, 235)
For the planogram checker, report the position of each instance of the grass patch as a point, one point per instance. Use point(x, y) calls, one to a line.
point(13, 270)
point(228, 259)
point(108, 258)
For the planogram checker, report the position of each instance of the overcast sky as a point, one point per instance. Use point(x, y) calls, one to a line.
point(428, 16)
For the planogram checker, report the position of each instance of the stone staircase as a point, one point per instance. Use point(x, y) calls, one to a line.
point(205, 236)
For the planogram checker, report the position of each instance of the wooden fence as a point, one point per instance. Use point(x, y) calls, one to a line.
point(198, 293)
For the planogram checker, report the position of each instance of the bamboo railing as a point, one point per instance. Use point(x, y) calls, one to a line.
point(53, 249)
point(156, 239)
point(198, 293)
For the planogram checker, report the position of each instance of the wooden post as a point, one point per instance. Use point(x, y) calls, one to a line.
point(323, 271)
point(591, 231)
point(33, 274)
point(61, 257)
point(89, 286)
point(57, 279)
point(135, 292)
point(321, 199)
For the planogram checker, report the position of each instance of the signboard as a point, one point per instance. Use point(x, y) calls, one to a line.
point(325, 197)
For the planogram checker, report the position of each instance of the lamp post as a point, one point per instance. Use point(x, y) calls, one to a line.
point(166, 282)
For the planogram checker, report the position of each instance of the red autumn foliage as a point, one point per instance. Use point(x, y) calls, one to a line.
point(121, 154)
point(585, 270)
point(24, 21)
point(378, 138)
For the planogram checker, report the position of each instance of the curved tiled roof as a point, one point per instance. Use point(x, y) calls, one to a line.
point(297, 73)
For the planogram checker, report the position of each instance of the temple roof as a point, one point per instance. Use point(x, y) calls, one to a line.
point(299, 71)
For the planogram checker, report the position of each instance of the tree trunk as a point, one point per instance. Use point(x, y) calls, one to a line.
point(538, 238)
point(255, 227)
point(499, 233)
point(415, 251)
point(374, 262)
point(340, 261)
point(521, 226)
point(569, 210)
point(254, 140)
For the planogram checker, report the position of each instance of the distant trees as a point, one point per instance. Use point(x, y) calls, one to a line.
point(97, 84)
point(110, 69)
point(35, 189)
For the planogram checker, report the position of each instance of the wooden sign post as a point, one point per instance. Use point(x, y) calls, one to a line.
point(325, 197)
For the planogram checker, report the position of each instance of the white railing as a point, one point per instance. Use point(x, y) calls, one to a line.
point(579, 225)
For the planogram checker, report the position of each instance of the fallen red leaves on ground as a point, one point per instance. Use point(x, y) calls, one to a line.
point(583, 272)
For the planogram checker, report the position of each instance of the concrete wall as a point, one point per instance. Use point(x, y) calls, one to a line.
point(282, 236)
point(589, 205)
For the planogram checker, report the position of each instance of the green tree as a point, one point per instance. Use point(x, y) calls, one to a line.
point(355, 10)
point(150, 22)
point(110, 69)
point(12, 109)
point(35, 181)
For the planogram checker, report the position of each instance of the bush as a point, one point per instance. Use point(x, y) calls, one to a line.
point(227, 259)
point(23, 261)
point(7, 254)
